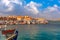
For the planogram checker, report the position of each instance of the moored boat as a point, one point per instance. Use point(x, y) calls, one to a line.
point(8, 34)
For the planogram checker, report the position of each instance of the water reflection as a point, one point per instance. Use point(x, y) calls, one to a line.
point(28, 31)
point(38, 32)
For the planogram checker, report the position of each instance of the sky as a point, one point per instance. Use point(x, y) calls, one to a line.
point(49, 9)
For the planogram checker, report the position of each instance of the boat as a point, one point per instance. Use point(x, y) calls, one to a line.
point(8, 34)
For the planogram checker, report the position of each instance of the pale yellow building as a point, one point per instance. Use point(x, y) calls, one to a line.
point(19, 17)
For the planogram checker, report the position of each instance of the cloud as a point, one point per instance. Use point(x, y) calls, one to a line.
point(16, 7)
point(8, 5)
point(52, 12)
point(7, 2)
point(2, 14)
point(13, 7)
point(32, 6)
point(54, 8)
point(49, 13)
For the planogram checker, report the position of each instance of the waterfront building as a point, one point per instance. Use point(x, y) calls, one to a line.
point(42, 21)
point(19, 18)
point(27, 19)
point(23, 20)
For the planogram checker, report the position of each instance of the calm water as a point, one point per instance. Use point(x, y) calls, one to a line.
point(39, 32)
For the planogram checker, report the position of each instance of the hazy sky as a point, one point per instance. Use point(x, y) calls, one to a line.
point(36, 8)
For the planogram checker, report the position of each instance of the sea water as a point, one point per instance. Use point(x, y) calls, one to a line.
point(50, 31)
point(2, 37)
point(39, 32)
